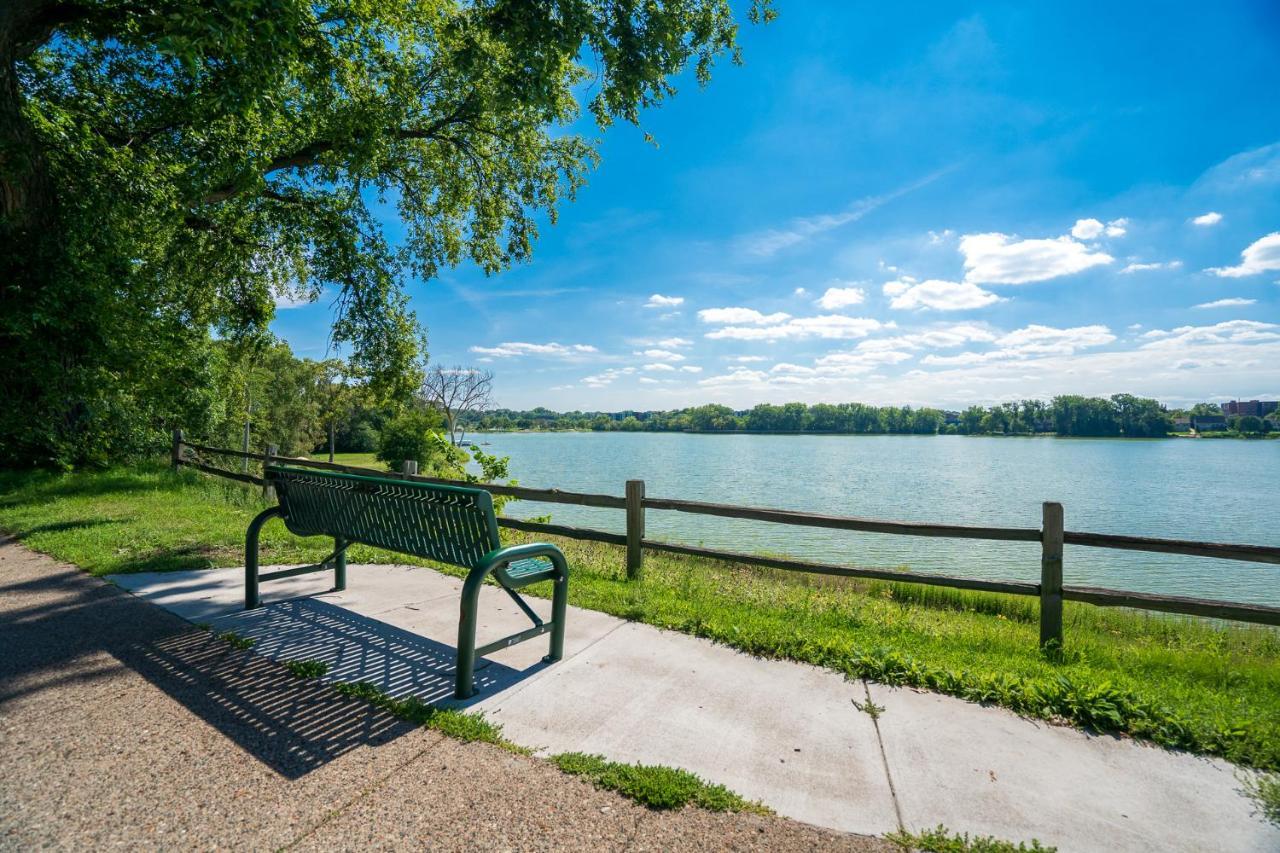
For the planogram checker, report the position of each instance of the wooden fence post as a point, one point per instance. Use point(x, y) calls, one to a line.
point(1051, 576)
point(177, 448)
point(268, 490)
point(635, 529)
point(409, 467)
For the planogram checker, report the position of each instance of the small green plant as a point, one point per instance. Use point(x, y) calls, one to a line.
point(1264, 788)
point(943, 840)
point(236, 641)
point(463, 725)
point(204, 626)
point(871, 709)
point(655, 786)
point(307, 668)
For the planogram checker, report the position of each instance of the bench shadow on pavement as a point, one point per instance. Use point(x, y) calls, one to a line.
point(293, 725)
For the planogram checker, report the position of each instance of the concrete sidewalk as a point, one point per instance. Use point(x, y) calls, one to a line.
point(122, 726)
point(787, 734)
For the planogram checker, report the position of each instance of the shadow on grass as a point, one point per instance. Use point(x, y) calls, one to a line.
point(186, 558)
point(62, 526)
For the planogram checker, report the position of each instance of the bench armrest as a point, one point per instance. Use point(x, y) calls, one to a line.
point(502, 556)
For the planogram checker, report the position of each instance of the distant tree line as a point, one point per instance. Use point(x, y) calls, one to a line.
point(1068, 415)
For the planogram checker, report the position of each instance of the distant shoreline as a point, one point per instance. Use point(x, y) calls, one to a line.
point(1208, 436)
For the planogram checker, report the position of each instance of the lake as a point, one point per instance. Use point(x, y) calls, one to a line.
point(1212, 490)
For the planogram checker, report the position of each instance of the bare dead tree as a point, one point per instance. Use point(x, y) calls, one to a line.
point(456, 391)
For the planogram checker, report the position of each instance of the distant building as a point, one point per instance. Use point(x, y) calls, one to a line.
point(951, 417)
point(1208, 423)
point(1258, 408)
point(1181, 424)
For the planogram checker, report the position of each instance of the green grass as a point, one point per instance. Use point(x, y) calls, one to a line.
point(463, 725)
point(1264, 788)
point(655, 786)
point(306, 668)
point(942, 840)
point(1181, 682)
point(235, 641)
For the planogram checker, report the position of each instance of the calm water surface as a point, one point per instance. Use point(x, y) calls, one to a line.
point(1225, 491)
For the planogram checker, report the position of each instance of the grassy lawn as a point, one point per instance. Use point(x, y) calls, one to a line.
point(1178, 681)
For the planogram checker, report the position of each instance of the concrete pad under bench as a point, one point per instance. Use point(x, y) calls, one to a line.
point(784, 733)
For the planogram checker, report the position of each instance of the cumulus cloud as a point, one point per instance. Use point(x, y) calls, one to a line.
point(1226, 332)
point(738, 316)
point(1230, 302)
point(996, 258)
point(908, 294)
point(831, 326)
point(659, 366)
point(937, 337)
point(1262, 255)
point(657, 300)
point(800, 291)
point(748, 359)
point(519, 349)
point(1139, 267)
point(1046, 340)
point(1091, 229)
point(836, 298)
point(1204, 220)
point(600, 380)
point(661, 355)
point(690, 368)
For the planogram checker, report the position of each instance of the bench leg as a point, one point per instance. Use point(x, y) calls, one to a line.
point(559, 606)
point(339, 564)
point(464, 681)
point(251, 598)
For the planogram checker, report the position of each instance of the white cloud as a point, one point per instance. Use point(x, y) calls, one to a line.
point(748, 359)
point(937, 337)
point(1226, 332)
point(647, 381)
point(996, 258)
point(1205, 220)
point(1091, 229)
point(908, 294)
point(690, 368)
point(657, 300)
point(738, 375)
point(661, 355)
point(1046, 340)
point(518, 349)
point(1138, 267)
point(738, 316)
point(1262, 255)
point(600, 380)
point(658, 366)
point(836, 298)
point(800, 291)
point(1087, 229)
point(1230, 302)
point(1117, 227)
point(831, 326)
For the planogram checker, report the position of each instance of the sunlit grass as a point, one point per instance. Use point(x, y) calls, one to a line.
point(1182, 682)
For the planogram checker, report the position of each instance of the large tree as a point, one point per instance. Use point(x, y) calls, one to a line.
point(170, 168)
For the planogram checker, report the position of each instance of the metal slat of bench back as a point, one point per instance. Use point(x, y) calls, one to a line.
point(445, 523)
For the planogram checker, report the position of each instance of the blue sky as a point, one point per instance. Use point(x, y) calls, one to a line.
point(935, 204)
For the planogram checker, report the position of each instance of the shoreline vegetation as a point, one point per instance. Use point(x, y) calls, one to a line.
point(1014, 435)
point(1065, 416)
point(1180, 682)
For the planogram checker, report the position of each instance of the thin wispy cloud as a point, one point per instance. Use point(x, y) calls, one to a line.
point(1229, 302)
point(769, 242)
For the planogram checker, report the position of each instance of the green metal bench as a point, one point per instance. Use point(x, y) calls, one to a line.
point(447, 524)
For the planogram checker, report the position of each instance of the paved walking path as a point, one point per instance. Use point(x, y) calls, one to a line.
point(123, 726)
point(787, 734)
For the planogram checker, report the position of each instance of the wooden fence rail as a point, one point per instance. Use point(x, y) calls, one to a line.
point(1051, 535)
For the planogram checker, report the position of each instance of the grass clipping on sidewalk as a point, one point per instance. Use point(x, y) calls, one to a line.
point(655, 786)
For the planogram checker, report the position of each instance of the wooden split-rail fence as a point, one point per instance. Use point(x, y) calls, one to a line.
point(1052, 536)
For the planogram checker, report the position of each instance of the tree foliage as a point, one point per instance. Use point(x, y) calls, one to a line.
point(173, 168)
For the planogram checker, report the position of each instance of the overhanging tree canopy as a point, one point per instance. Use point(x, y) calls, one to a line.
point(172, 167)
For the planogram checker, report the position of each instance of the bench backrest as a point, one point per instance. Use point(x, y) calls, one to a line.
point(449, 524)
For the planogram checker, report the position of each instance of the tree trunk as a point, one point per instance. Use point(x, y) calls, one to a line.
point(330, 441)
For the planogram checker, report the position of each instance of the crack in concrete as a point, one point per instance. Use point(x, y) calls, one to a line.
point(884, 759)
